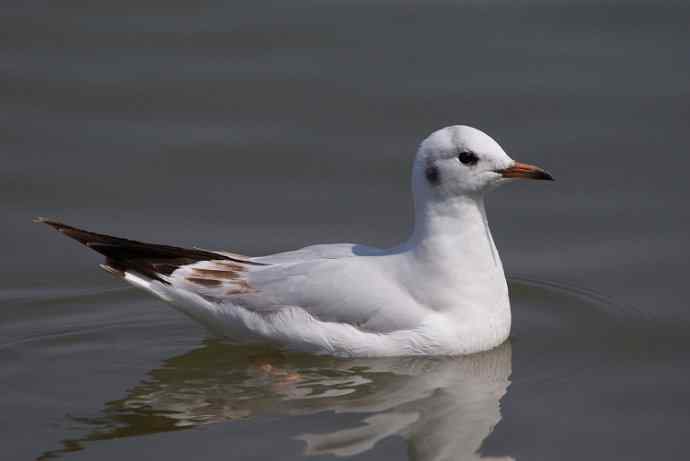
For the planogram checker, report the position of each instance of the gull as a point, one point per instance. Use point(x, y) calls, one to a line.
point(443, 291)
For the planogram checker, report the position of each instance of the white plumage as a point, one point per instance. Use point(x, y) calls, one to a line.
point(442, 292)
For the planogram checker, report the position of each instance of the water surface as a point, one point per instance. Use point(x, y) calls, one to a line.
point(562, 359)
point(255, 127)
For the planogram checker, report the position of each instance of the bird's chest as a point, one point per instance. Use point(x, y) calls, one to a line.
point(466, 289)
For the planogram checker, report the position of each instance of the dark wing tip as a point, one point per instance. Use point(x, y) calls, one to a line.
point(149, 259)
point(82, 236)
point(54, 224)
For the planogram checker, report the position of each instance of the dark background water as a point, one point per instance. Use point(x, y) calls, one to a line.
point(258, 126)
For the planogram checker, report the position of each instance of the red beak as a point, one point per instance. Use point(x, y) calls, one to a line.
point(525, 171)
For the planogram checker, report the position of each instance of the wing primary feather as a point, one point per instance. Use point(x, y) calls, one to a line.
point(152, 260)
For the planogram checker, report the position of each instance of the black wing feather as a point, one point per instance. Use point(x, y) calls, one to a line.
point(149, 259)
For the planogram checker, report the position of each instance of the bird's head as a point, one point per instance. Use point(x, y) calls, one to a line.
point(461, 160)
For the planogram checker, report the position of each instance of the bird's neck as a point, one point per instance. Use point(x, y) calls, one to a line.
point(454, 268)
point(454, 231)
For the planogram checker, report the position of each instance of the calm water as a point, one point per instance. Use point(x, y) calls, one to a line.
point(257, 127)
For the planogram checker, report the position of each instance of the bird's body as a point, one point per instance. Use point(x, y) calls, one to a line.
point(352, 300)
point(442, 292)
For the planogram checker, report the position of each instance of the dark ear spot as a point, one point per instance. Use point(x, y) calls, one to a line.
point(432, 175)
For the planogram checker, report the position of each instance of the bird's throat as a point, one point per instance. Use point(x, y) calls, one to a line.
point(455, 231)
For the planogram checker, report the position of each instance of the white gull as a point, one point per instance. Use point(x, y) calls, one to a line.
point(441, 292)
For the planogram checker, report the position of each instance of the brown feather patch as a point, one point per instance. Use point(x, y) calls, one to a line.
point(216, 274)
point(204, 282)
point(229, 265)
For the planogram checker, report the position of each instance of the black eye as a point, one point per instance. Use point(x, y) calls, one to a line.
point(468, 158)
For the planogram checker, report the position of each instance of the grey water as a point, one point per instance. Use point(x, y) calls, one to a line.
point(262, 126)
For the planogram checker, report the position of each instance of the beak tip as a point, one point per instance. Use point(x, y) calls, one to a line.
point(546, 176)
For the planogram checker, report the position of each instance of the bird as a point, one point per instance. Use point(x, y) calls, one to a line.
point(442, 291)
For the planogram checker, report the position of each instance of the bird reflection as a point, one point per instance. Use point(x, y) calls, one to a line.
point(443, 407)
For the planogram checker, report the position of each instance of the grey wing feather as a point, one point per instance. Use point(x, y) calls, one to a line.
point(323, 251)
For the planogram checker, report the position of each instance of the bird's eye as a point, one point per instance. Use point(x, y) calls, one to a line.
point(468, 158)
